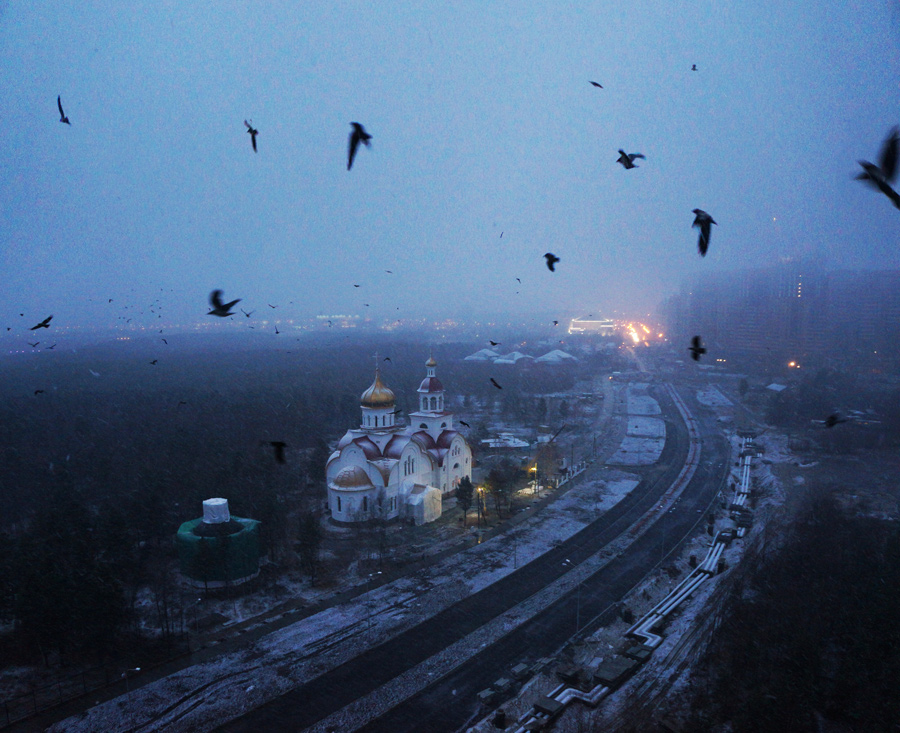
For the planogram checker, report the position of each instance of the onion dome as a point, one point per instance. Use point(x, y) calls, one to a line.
point(352, 477)
point(377, 395)
point(431, 362)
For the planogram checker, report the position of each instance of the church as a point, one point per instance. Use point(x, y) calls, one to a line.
point(384, 469)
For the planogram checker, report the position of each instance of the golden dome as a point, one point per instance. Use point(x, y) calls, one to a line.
point(377, 395)
point(431, 362)
point(352, 477)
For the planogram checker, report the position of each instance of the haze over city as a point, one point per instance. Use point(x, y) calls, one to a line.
point(483, 122)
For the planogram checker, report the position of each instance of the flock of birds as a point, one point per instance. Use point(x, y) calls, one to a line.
point(880, 177)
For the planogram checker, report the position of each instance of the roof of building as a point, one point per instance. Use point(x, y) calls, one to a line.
point(482, 355)
point(431, 384)
point(555, 357)
point(352, 477)
point(378, 395)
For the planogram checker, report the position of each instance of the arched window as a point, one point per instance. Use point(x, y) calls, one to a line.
point(339, 503)
point(443, 425)
point(434, 403)
point(424, 426)
point(365, 503)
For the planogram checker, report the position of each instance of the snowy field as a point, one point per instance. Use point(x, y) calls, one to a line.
point(638, 452)
point(639, 402)
point(646, 427)
point(712, 397)
point(202, 697)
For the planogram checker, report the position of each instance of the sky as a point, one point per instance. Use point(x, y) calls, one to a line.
point(483, 123)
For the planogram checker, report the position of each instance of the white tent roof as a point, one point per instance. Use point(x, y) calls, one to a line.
point(555, 356)
point(483, 355)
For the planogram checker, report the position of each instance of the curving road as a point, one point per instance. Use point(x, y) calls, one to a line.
point(448, 702)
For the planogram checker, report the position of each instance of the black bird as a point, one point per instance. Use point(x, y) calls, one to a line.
point(834, 419)
point(271, 306)
point(39, 391)
point(279, 447)
point(50, 347)
point(32, 345)
point(355, 285)
point(703, 220)
point(387, 358)
point(873, 173)
point(494, 343)
point(180, 403)
point(552, 259)
point(359, 135)
point(627, 159)
point(253, 133)
point(247, 314)
point(495, 383)
point(463, 422)
point(696, 348)
point(153, 363)
point(165, 342)
point(43, 324)
point(519, 281)
point(396, 412)
point(501, 235)
point(218, 307)
point(555, 323)
point(277, 331)
point(62, 115)
point(887, 160)
point(389, 272)
point(599, 86)
point(693, 67)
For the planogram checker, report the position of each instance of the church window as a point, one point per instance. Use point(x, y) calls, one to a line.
point(455, 465)
point(433, 403)
point(443, 425)
point(424, 426)
point(339, 503)
point(365, 503)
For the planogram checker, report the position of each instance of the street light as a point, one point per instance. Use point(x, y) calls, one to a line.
point(568, 563)
point(369, 603)
point(125, 677)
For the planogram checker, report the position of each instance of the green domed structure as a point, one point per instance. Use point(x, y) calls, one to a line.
point(218, 550)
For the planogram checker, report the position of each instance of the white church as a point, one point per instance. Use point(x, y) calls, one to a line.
point(386, 469)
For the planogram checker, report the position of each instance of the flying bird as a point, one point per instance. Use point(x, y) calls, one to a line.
point(247, 314)
point(38, 391)
point(555, 323)
point(50, 347)
point(165, 342)
point(693, 67)
point(62, 115)
point(396, 412)
point(387, 358)
point(32, 345)
point(703, 221)
point(552, 259)
point(463, 422)
point(153, 363)
point(359, 135)
point(627, 159)
point(355, 285)
point(43, 324)
point(277, 331)
point(887, 159)
point(495, 383)
point(253, 132)
point(219, 308)
point(519, 281)
point(279, 447)
point(874, 173)
point(599, 86)
point(696, 348)
point(271, 306)
point(96, 374)
point(494, 343)
point(834, 419)
point(389, 272)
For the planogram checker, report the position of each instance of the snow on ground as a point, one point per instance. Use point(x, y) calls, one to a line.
point(646, 427)
point(638, 451)
point(712, 397)
point(205, 695)
point(642, 404)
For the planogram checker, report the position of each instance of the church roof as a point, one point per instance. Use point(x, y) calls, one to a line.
point(368, 447)
point(352, 477)
point(431, 362)
point(445, 438)
point(431, 384)
point(378, 395)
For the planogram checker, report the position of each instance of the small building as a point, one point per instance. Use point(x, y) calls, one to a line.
point(218, 550)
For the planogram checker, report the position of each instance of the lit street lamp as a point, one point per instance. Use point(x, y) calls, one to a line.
point(125, 677)
point(568, 563)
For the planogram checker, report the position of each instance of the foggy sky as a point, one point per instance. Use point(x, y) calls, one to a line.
point(483, 121)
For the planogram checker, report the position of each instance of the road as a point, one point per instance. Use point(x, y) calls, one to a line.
point(437, 708)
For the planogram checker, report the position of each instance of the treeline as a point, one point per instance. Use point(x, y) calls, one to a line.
point(813, 635)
